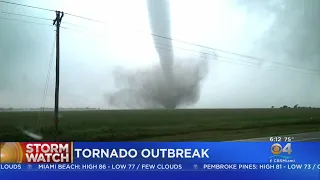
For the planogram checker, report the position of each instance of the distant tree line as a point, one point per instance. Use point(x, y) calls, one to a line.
point(46, 108)
point(6, 108)
point(295, 106)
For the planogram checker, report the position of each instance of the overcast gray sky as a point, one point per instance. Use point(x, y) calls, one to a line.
point(276, 31)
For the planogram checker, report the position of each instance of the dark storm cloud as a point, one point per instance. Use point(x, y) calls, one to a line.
point(294, 35)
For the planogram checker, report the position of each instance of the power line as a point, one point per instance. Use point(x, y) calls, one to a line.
point(194, 44)
point(206, 47)
point(289, 65)
point(198, 45)
point(37, 17)
point(234, 60)
point(248, 62)
point(45, 91)
point(17, 14)
point(29, 22)
point(156, 43)
point(168, 38)
point(314, 72)
point(172, 39)
point(202, 52)
point(208, 54)
point(155, 35)
point(34, 7)
point(215, 59)
point(254, 64)
point(89, 19)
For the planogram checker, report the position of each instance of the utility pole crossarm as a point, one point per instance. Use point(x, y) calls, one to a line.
point(61, 18)
point(58, 18)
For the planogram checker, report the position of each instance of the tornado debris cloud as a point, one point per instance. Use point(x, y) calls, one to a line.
point(175, 83)
point(148, 88)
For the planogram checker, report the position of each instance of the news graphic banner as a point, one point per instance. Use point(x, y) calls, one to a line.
point(177, 156)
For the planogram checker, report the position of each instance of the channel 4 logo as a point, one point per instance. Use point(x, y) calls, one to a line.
point(281, 154)
point(277, 149)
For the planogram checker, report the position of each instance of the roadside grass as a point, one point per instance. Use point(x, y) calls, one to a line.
point(161, 125)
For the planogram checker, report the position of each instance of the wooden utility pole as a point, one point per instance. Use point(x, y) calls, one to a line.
point(57, 22)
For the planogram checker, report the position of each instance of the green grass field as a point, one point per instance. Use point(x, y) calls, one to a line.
point(162, 125)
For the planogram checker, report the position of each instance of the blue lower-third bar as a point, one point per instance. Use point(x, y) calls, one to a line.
point(161, 167)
